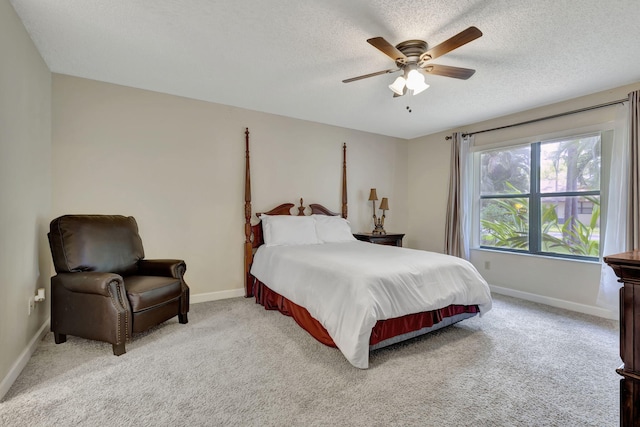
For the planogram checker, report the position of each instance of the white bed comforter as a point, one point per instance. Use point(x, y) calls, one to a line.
point(349, 286)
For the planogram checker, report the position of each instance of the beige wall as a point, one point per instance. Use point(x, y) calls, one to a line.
point(564, 283)
point(177, 165)
point(25, 189)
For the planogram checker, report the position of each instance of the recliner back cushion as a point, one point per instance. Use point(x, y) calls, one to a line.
point(103, 243)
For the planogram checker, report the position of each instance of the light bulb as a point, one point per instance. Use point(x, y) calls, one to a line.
point(415, 80)
point(398, 85)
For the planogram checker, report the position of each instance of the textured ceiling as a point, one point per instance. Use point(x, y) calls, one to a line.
point(289, 57)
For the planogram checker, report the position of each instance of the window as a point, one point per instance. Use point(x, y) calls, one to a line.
point(542, 198)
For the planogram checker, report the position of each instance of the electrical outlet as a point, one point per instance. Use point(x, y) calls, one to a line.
point(32, 304)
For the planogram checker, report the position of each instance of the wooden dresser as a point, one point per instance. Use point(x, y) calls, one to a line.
point(627, 267)
point(391, 239)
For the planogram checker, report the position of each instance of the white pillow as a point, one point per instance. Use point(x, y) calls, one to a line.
point(332, 229)
point(282, 230)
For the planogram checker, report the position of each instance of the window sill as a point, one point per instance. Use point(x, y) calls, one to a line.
point(548, 257)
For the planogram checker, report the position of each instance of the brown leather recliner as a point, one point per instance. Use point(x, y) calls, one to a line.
point(104, 289)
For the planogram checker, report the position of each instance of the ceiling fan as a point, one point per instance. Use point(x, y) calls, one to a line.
point(413, 56)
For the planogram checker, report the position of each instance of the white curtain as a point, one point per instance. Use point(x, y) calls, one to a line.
point(466, 192)
point(633, 208)
point(615, 230)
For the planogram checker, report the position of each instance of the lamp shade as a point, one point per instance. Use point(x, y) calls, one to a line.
point(384, 204)
point(373, 195)
point(420, 87)
point(398, 86)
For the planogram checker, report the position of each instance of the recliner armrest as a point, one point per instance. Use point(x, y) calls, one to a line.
point(88, 282)
point(162, 267)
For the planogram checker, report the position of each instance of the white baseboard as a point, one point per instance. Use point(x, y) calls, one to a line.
point(554, 302)
point(214, 296)
point(24, 357)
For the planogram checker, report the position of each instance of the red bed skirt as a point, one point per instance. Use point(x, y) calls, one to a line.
point(383, 330)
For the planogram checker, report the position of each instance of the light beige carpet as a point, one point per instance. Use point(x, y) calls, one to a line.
point(522, 364)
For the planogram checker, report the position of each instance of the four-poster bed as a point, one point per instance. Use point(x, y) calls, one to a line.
point(349, 294)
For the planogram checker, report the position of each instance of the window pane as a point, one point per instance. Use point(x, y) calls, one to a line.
point(571, 225)
point(570, 165)
point(505, 171)
point(504, 223)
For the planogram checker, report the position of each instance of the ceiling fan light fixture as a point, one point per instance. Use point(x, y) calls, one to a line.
point(398, 85)
point(413, 56)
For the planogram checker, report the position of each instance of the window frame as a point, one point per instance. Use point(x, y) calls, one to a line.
point(535, 196)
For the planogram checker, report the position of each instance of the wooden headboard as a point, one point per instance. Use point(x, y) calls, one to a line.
point(253, 233)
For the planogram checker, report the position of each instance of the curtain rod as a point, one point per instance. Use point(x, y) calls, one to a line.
point(607, 104)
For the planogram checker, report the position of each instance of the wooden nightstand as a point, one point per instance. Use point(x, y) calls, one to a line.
point(391, 239)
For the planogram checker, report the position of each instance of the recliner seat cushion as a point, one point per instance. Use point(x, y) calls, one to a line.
point(103, 243)
point(145, 292)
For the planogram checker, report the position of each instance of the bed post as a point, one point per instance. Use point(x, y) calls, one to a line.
point(248, 249)
point(344, 181)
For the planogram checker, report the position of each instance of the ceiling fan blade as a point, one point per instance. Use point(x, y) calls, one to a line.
point(353, 79)
point(387, 48)
point(462, 38)
point(447, 71)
